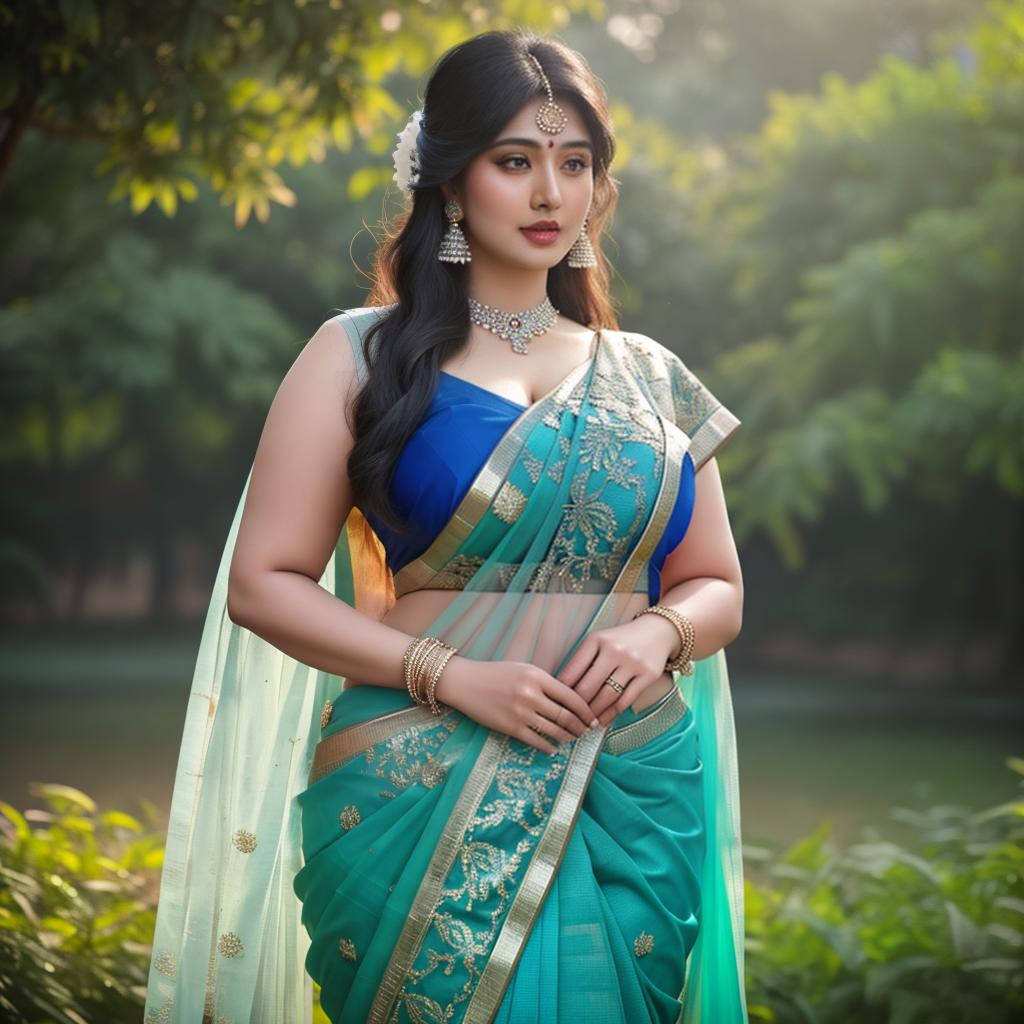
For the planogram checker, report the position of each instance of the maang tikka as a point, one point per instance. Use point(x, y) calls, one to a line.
point(551, 118)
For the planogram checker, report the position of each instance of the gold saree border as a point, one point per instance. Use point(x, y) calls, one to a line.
point(543, 866)
point(676, 444)
point(339, 748)
point(335, 750)
point(662, 714)
point(710, 435)
point(420, 913)
point(478, 499)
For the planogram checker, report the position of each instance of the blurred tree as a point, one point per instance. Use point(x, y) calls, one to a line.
point(833, 255)
point(139, 358)
point(870, 237)
point(225, 90)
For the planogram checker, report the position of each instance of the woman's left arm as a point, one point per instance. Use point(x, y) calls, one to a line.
point(701, 578)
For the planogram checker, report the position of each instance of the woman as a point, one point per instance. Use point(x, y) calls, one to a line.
point(458, 734)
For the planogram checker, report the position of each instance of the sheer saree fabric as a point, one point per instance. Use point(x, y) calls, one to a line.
point(448, 871)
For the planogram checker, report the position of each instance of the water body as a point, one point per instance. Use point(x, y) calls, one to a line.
point(107, 719)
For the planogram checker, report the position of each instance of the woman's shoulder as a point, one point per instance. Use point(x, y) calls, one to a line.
point(649, 354)
point(362, 314)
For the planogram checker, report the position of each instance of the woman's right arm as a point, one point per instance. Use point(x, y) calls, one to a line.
point(298, 500)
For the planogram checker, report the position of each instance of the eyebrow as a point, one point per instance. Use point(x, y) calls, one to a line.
point(534, 144)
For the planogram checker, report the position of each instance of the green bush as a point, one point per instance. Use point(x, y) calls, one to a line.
point(930, 930)
point(77, 910)
point(926, 930)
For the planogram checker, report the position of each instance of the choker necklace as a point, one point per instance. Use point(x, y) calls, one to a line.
point(518, 328)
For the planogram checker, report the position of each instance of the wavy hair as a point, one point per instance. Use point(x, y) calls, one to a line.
point(473, 91)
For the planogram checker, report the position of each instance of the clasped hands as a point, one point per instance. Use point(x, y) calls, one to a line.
point(633, 654)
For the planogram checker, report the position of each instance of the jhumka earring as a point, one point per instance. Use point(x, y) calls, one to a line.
point(454, 247)
point(582, 252)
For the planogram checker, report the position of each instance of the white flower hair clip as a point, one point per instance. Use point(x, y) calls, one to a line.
point(407, 170)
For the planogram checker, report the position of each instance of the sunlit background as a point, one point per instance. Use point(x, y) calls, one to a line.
point(821, 212)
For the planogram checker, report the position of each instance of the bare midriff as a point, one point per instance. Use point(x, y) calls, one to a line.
point(413, 612)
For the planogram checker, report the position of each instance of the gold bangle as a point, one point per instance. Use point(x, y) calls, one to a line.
point(411, 654)
point(437, 708)
point(423, 658)
point(415, 655)
point(430, 662)
point(687, 637)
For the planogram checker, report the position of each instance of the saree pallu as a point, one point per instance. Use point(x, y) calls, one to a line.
point(446, 871)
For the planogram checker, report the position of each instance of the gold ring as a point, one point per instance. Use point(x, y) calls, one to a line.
point(615, 684)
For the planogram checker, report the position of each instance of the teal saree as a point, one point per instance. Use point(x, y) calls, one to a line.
point(429, 869)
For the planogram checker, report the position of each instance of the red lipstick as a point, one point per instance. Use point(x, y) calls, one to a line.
point(542, 232)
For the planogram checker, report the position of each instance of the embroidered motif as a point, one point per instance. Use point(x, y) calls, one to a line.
point(643, 944)
point(508, 502)
point(457, 572)
point(166, 963)
point(245, 842)
point(325, 715)
point(161, 1016)
point(350, 817)
point(230, 945)
point(679, 393)
point(532, 465)
point(433, 772)
point(553, 417)
point(347, 948)
point(557, 469)
point(400, 758)
point(507, 573)
point(482, 881)
point(621, 444)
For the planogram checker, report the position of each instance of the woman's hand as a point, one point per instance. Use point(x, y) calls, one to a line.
point(512, 696)
point(632, 653)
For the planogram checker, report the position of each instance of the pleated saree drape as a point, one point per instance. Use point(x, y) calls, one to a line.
point(448, 872)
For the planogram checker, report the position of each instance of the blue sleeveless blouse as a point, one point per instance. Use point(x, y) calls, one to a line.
point(433, 474)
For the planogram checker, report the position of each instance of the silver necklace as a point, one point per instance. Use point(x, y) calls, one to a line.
point(518, 328)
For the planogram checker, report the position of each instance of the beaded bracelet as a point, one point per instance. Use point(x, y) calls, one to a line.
point(422, 664)
point(431, 674)
point(687, 637)
point(437, 708)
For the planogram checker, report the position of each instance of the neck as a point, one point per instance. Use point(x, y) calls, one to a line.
point(511, 289)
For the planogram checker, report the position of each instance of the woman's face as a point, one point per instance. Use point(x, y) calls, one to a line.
point(512, 185)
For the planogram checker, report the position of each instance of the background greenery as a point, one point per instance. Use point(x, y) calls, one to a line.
point(822, 212)
point(928, 929)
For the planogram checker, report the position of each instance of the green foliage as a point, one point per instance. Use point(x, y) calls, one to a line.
point(226, 91)
point(929, 931)
point(125, 386)
point(77, 910)
point(925, 931)
point(870, 237)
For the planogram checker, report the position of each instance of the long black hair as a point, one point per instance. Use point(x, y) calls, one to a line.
point(473, 91)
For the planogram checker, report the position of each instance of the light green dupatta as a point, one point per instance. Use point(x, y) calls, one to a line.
point(430, 847)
